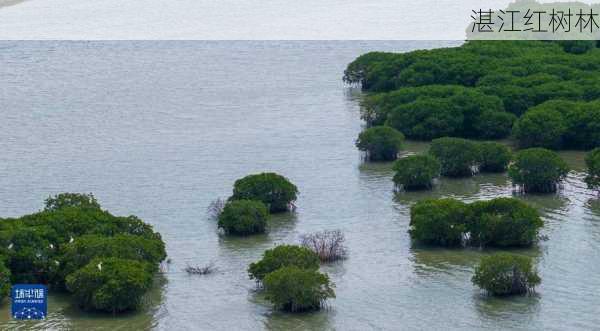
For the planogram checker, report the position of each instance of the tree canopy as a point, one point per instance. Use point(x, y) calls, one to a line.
point(478, 89)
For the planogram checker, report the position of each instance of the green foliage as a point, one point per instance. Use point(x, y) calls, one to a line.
point(50, 245)
point(469, 91)
point(295, 290)
point(577, 46)
point(537, 170)
point(283, 256)
point(506, 274)
point(458, 157)
point(274, 190)
point(503, 222)
point(381, 143)
point(500, 222)
point(592, 160)
point(438, 222)
point(124, 246)
point(542, 126)
point(244, 217)
point(63, 200)
point(110, 284)
point(437, 111)
point(416, 171)
point(5, 283)
point(494, 157)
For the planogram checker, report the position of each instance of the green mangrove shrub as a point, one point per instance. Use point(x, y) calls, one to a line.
point(110, 284)
point(416, 172)
point(537, 170)
point(274, 190)
point(458, 157)
point(51, 245)
point(283, 256)
point(494, 157)
point(243, 217)
point(503, 222)
point(592, 160)
point(542, 126)
point(506, 274)
point(438, 222)
point(125, 246)
point(295, 290)
point(381, 143)
point(63, 200)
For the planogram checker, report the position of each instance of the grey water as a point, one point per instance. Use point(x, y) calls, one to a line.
point(159, 129)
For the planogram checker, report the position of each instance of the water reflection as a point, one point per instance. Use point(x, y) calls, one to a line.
point(508, 312)
point(321, 320)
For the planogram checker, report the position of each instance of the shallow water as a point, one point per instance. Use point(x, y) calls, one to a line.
point(160, 129)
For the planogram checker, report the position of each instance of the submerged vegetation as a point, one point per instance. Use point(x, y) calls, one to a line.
point(381, 143)
point(506, 274)
point(480, 89)
point(107, 262)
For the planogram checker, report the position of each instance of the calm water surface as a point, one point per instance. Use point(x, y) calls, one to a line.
point(159, 129)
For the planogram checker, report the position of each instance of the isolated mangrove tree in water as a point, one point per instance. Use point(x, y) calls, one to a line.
point(75, 245)
point(290, 278)
point(500, 222)
point(537, 170)
point(381, 143)
point(494, 157)
point(243, 217)
point(283, 256)
point(458, 157)
point(274, 190)
point(592, 160)
point(416, 172)
point(296, 290)
point(506, 274)
point(478, 89)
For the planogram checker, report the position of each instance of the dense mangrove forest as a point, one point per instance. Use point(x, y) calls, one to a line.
point(541, 94)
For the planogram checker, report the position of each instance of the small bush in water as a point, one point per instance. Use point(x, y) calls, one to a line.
point(416, 172)
point(244, 217)
point(506, 274)
point(295, 290)
point(381, 143)
point(538, 170)
point(274, 190)
point(283, 256)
